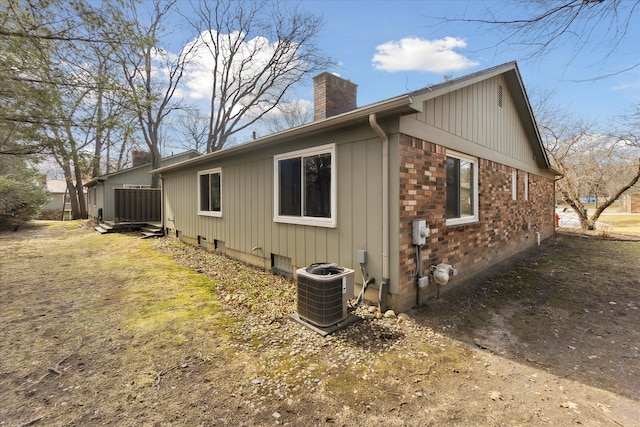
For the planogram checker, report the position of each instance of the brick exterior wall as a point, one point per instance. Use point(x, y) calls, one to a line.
point(470, 248)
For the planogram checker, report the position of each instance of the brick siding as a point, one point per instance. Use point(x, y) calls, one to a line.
point(470, 248)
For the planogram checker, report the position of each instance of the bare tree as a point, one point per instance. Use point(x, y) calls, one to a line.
point(255, 52)
point(289, 115)
point(593, 165)
point(541, 26)
point(151, 73)
point(194, 127)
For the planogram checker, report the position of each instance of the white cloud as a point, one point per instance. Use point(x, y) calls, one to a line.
point(248, 58)
point(626, 86)
point(416, 54)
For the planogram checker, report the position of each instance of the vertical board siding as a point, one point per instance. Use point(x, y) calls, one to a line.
point(472, 113)
point(248, 208)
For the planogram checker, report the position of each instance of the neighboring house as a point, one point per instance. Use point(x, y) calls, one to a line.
point(101, 197)
point(630, 201)
point(58, 201)
point(464, 155)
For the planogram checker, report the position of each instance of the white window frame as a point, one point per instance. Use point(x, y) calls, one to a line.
point(210, 172)
point(514, 184)
point(135, 186)
point(330, 222)
point(475, 217)
point(526, 185)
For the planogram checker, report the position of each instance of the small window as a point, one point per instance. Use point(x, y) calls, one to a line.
point(210, 192)
point(514, 185)
point(135, 186)
point(462, 189)
point(526, 185)
point(305, 187)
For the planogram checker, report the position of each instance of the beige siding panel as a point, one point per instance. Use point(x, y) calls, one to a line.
point(302, 257)
point(308, 235)
point(359, 183)
point(297, 258)
point(430, 112)
point(453, 112)
point(472, 114)
point(256, 214)
point(461, 125)
point(259, 198)
point(438, 111)
point(345, 158)
point(373, 208)
point(248, 205)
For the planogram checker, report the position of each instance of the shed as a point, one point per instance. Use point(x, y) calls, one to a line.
point(58, 207)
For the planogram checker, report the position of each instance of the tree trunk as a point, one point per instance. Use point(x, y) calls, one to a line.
point(73, 192)
point(82, 203)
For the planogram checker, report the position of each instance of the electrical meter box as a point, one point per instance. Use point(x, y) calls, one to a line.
point(419, 232)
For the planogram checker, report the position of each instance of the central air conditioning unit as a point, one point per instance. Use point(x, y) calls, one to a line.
point(323, 292)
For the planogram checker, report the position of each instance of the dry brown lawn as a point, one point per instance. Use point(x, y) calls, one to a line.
point(117, 330)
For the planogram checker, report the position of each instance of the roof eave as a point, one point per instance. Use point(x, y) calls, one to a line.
point(400, 104)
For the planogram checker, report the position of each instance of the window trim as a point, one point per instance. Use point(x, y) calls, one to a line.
point(136, 186)
point(210, 172)
point(526, 186)
point(514, 184)
point(330, 222)
point(475, 217)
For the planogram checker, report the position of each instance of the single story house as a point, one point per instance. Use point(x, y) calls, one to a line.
point(58, 207)
point(102, 190)
point(464, 156)
point(630, 201)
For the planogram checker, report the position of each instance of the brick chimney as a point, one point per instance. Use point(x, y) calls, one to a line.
point(332, 95)
point(140, 158)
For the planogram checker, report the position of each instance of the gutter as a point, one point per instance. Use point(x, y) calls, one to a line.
point(384, 285)
point(404, 104)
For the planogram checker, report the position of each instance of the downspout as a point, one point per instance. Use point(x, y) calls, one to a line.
point(162, 204)
point(384, 285)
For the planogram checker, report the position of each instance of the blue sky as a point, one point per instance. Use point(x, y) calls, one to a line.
point(389, 48)
point(410, 43)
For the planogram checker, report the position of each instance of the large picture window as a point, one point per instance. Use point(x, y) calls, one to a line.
point(305, 187)
point(462, 189)
point(210, 192)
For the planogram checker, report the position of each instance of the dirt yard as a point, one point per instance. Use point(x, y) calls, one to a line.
point(114, 330)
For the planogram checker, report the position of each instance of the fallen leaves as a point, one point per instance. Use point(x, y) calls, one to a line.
point(495, 395)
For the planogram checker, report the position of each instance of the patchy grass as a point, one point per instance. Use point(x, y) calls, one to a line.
point(622, 224)
point(113, 330)
point(122, 311)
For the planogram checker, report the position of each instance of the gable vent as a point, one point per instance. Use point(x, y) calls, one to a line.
point(500, 96)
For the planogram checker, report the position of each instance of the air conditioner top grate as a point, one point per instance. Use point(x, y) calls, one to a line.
point(324, 269)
